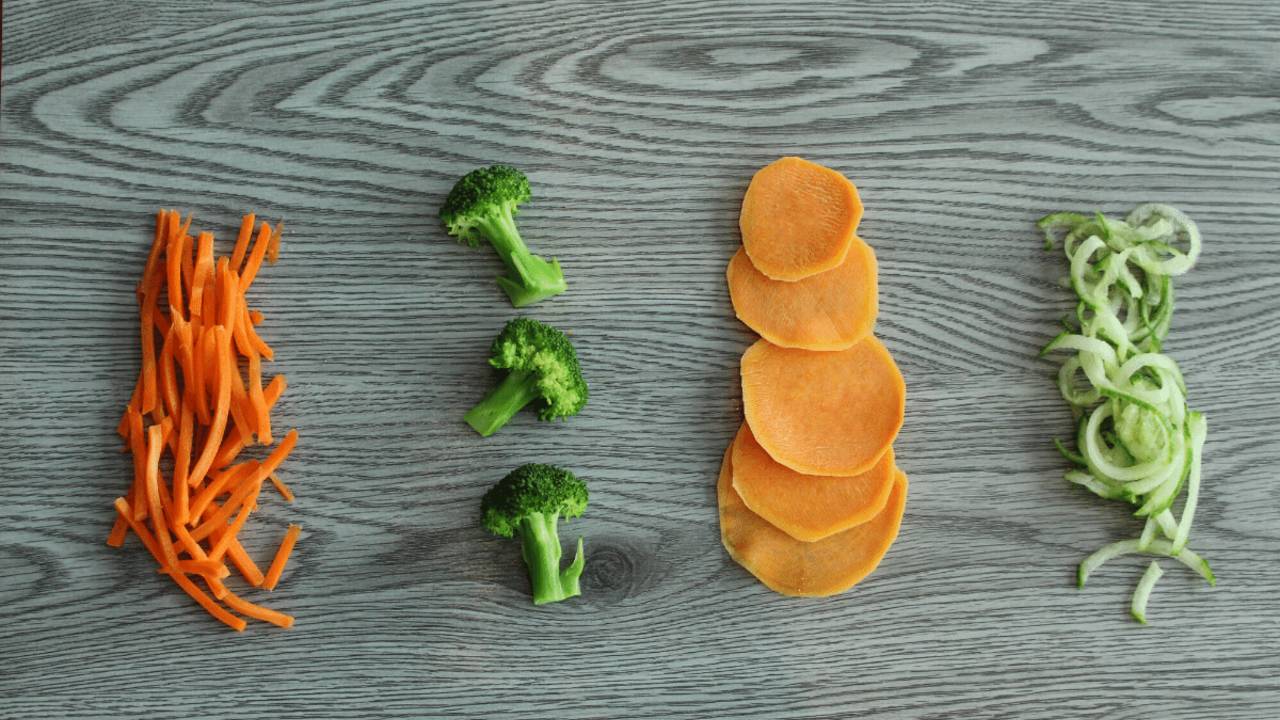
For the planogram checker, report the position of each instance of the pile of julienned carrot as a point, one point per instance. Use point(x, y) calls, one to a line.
point(192, 413)
point(810, 494)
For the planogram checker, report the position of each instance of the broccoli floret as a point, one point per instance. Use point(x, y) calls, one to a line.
point(528, 504)
point(482, 206)
point(541, 365)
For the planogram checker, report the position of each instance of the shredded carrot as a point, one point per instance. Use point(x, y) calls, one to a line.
point(222, 407)
point(245, 565)
point(257, 612)
point(282, 556)
point(242, 241)
point(255, 258)
point(191, 402)
point(281, 488)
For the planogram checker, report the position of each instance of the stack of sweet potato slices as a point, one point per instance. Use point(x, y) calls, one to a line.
point(810, 495)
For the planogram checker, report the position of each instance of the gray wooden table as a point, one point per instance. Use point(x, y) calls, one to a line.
point(639, 124)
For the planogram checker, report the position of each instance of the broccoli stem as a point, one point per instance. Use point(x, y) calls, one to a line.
point(516, 390)
point(540, 546)
point(529, 277)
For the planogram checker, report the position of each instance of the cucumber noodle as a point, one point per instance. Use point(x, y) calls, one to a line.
point(1136, 439)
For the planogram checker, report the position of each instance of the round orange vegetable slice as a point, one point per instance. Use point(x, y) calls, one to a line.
point(823, 413)
point(807, 507)
point(812, 569)
point(798, 218)
point(828, 311)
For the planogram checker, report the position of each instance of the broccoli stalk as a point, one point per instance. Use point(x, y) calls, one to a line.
point(527, 504)
point(542, 367)
point(482, 206)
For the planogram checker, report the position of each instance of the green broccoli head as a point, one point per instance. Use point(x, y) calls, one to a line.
point(482, 197)
point(528, 345)
point(541, 366)
point(531, 489)
point(527, 504)
point(483, 206)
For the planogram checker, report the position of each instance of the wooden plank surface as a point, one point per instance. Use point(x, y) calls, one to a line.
point(639, 124)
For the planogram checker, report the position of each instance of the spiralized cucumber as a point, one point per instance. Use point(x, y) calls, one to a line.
point(1136, 438)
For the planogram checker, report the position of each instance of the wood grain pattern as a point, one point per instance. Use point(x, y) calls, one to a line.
point(640, 124)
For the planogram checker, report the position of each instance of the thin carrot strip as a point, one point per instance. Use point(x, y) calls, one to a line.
point(215, 586)
point(281, 488)
point(173, 266)
point(256, 317)
point(186, 225)
point(209, 604)
point(217, 520)
point(188, 263)
point(258, 399)
point(119, 530)
point(158, 524)
point(257, 612)
point(147, 328)
point(167, 375)
point(188, 543)
point(181, 464)
point(144, 535)
point(228, 292)
point(235, 442)
point(231, 478)
point(273, 250)
point(245, 565)
point(185, 355)
point(229, 533)
point(246, 324)
point(255, 258)
point(242, 412)
point(219, 424)
point(203, 270)
point(137, 445)
point(282, 556)
point(157, 247)
point(242, 241)
point(200, 374)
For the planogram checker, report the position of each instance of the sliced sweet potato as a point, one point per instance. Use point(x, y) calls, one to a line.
point(823, 413)
point(815, 569)
point(798, 218)
point(807, 507)
point(828, 311)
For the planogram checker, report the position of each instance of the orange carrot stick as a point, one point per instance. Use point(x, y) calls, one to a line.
point(256, 317)
point(282, 556)
point(242, 241)
point(222, 408)
point(201, 567)
point(235, 442)
point(173, 266)
point(119, 530)
point(246, 325)
point(258, 399)
point(209, 604)
point(122, 428)
point(157, 247)
point(181, 464)
point(245, 565)
point(137, 445)
point(242, 413)
point(257, 612)
point(281, 488)
point(167, 376)
point(188, 263)
point(255, 258)
point(226, 535)
point(144, 535)
point(217, 519)
point(228, 292)
point(203, 271)
point(154, 445)
point(200, 374)
point(147, 329)
point(228, 479)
